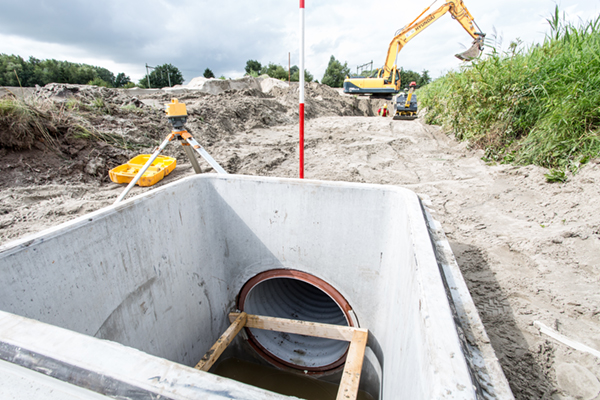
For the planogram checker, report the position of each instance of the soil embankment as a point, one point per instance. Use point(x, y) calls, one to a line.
point(529, 250)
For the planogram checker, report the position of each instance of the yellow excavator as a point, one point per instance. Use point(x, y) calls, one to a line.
point(386, 81)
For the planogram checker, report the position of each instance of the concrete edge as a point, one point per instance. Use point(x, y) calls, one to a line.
point(110, 368)
point(32, 238)
point(454, 380)
point(486, 372)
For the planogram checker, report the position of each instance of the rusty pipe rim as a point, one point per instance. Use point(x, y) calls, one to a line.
point(293, 294)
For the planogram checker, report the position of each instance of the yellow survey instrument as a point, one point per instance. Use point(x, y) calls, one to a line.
point(177, 115)
point(175, 109)
point(386, 80)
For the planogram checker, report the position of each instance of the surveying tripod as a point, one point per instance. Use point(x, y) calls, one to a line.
point(177, 116)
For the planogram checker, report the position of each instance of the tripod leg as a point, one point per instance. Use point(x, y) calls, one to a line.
point(188, 138)
point(144, 168)
point(190, 154)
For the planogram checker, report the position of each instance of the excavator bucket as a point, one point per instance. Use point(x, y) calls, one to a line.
point(473, 52)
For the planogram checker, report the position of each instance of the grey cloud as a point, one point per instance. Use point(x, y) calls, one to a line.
point(190, 35)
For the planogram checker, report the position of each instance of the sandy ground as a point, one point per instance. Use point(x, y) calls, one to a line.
point(529, 250)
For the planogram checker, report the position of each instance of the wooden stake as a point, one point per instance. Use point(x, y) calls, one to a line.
point(354, 360)
point(357, 337)
point(221, 344)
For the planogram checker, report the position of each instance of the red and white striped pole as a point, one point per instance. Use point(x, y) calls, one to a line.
point(301, 111)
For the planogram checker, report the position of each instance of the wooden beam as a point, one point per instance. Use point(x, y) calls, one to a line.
point(327, 331)
point(221, 344)
point(354, 360)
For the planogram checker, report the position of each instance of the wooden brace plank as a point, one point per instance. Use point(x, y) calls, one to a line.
point(354, 360)
point(327, 331)
point(221, 344)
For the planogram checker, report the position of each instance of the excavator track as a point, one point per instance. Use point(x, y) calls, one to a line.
point(405, 117)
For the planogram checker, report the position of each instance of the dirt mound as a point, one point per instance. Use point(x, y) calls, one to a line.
point(212, 117)
point(90, 95)
point(93, 129)
point(197, 82)
point(72, 133)
point(84, 131)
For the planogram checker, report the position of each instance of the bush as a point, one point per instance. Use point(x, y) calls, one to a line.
point(275, 71)
point(335, 73)
point(296, 75)
point(253, 66)
point(121, 80)
point(98, 82)
point(162, 76)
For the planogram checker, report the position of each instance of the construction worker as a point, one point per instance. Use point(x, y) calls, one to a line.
point(383, 111)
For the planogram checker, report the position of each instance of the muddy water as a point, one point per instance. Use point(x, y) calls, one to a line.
point(286, 383)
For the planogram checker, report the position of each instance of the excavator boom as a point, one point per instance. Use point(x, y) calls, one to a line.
point(389, 83)
point(456, 8)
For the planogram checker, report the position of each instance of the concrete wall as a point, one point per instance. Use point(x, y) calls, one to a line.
point(161, 271)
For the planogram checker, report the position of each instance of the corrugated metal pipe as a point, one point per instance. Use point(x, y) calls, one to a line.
point(300, 296)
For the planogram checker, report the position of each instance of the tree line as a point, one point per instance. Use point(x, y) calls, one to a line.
point(15, 71)
point(334, 75)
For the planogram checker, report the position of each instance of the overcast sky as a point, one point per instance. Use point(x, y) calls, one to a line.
point(124, 35)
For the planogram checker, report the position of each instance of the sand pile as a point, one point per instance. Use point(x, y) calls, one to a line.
point(263, 83)
point(218, 86)
point(267, 83)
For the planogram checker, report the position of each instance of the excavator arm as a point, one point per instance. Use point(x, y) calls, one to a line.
point(457, 9)
point(387, 80)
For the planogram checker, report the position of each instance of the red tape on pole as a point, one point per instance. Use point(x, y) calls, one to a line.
point(301, 109)
point(301, 140)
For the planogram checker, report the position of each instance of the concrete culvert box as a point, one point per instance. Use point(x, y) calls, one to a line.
point(160, 273)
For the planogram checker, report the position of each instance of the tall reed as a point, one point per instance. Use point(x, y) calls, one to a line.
point(536, 105)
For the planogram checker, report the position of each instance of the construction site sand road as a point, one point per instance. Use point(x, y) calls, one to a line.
point(529, 250)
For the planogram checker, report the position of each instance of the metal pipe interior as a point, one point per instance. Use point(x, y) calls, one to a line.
point(296, 299)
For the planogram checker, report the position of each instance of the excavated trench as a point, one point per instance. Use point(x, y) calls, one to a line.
point(161, 272)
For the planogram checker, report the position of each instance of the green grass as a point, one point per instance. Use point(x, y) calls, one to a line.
point(132, 108)
point(538, 105)
point(556, 175)
point(23, 122)
point(100, 106)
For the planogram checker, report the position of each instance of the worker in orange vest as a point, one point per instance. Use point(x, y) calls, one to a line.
point(383, 111)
